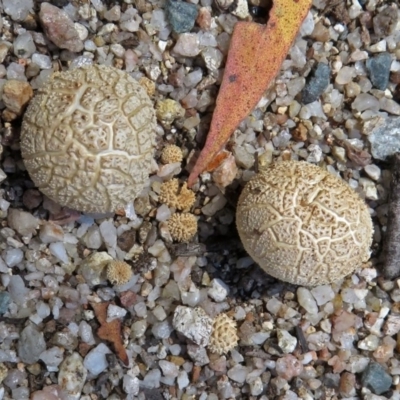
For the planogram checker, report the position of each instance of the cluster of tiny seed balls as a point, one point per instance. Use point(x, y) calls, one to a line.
point(171, 153)
point(303, 225)
point(173, 196)
point(182, 226)
point(224, 335)
point(119, 272)
point(88, 138)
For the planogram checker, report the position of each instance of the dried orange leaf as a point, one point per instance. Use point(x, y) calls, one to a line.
point(110, 331)
point(255, 56)
point(217, 160)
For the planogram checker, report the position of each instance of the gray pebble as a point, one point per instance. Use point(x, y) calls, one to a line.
point(4, 302)
point(181, 15)
point(385, 138)
point(378, 69)
point(31, 344)
point(376, 378)
point(317, 84)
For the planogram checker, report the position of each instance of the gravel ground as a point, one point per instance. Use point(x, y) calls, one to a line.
point(67, 333)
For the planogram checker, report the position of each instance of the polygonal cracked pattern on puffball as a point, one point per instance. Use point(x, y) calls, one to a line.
point(88, 138)
point(303, 225)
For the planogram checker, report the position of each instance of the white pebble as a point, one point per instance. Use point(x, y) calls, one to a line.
point(365, 101)
point(256, 386)
point(370, 343)
point(24, 46)
point(52, 358)
point(16, 71)
point(43, 309)
point(345, 75)
point(183, 380)
point(13, 257)
point(369, 188)
point(218, 290)
point(152, 379)
point(130, 385)
point(115, 312)
point(192, 297)
point(238, 373)
point(378, 47)
point(194, 324)
point(43, 61)
point(315, 154)
point(58, 250)
point(307, 26)
point(81, 30)
point(168, 368)
point(72, 376)
point(50, 233)
point(187, 45)
point(306, 300)
point(286, 341)
point(96, 361)
point(86, 333)
point(109, 233)
point(322, 294)
point(90, 45)
point(117, 50)
point(163, 213)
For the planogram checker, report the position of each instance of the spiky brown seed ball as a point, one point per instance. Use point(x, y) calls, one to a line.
point(182, 227)
point(224, 335)
point(173, 196)
point(171, 154)
point(119, 272)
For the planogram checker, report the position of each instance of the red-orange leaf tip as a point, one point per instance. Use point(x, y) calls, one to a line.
point(255, 56)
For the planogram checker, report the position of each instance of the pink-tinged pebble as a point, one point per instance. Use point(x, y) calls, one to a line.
point(344, 320)
point(288, 367)
point(226, 172)
point(59, 28)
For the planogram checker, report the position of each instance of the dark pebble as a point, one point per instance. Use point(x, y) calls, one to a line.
point(32, 198)
point(4, 302)
point(181, 15)
point(126, 240)
point(152, 394)
point(331, 380)
point(376, 379)
point(378, 69)
point(380, 294)
point(385, 21)
point(317, 84)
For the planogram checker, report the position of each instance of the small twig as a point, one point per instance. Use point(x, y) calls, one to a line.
point(360, 157)
point(13, 321)
point(187, 249)
point(256, 162)
point(391, 244)
point(301, 339)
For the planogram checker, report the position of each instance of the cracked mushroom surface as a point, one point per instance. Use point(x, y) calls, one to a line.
point(303, 225)
point(88, 138)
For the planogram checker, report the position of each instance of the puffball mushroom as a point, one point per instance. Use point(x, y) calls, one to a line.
point(88, 138)
point(303, 225)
